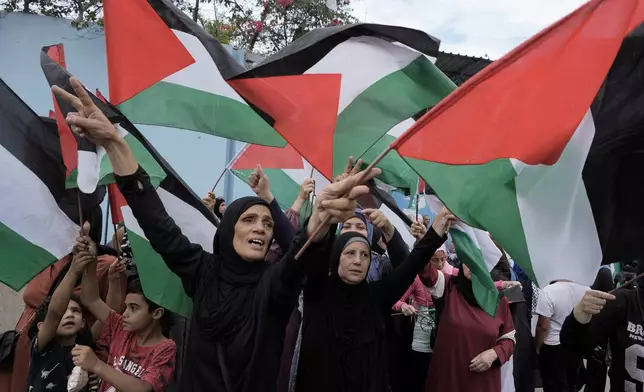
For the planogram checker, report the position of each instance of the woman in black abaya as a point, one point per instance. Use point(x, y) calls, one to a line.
point(241, 304)
point(344, 346)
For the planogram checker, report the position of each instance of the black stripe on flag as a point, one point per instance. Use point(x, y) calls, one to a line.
point(308, 50)
point(34, 141)
point(613, 174)
point(377, 197)
point(173, 183)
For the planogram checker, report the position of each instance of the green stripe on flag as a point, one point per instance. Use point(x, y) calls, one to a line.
point(485, 291)
point(394, 98)
point(15, 247)
point(395, 171)
point(160, 284)
point(172, 105)
point(484, 197)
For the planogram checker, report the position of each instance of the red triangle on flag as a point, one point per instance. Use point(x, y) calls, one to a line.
point(68, 144)
point(141, 49)
point(269, 157)
point(117, 200)
point(305, 110)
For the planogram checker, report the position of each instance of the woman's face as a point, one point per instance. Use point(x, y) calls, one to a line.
point(253, 233)
point(354, 263)
point(467, 272)
point(438, 259)
point(222, 207)
point(356, 225)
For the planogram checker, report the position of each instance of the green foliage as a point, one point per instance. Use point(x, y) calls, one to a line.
point(260, 26)
point(266, 26)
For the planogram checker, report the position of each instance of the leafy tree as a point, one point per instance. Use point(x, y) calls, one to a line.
point(266, 26)
point(260, 26)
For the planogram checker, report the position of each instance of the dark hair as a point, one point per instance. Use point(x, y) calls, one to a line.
point(41, 313)
point(134, 287)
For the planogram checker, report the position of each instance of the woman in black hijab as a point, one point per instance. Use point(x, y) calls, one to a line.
point(220, 207)
point(241, 304)
point(344, 346)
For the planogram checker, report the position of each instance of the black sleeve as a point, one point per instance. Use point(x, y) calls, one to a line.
point(284, 231)
point(392, 287)
point(583, 338)
point(288, 276)
point(185, 259)
point(397, 249)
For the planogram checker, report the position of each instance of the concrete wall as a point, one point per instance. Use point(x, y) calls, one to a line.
point(198, 158)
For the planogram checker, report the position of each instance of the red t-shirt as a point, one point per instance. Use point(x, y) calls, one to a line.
point(153, 364)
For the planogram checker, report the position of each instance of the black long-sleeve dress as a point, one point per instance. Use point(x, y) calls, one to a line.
point(332, 359)
point(620, 324)
point(251, 351)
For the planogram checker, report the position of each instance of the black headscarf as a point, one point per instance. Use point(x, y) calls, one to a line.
point(237, 278)
point(344, 340)
point(464, 287)
point(218, 202)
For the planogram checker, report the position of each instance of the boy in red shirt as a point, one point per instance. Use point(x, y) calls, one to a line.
point(140, 358)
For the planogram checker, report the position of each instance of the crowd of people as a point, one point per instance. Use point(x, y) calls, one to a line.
point(356, 311)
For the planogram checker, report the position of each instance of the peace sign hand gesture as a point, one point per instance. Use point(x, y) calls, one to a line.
point(88, 120)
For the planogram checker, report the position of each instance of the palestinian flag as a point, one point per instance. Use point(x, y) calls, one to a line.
point(543, 148)
point(39, 217)
point(476, 249)
point(395, 171)
point(92, 166)
point(195, 220)
point(386, 78)
point(164, 69)
point(285, 168)
point(379, 197)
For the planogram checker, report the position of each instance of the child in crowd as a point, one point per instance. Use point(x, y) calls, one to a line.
point(57, 327)
point(140, 358)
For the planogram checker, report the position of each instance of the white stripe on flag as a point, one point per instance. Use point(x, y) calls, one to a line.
point(30, 210)
point(191, 221)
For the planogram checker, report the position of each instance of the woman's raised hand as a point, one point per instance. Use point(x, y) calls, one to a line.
point(88, 120)
point(337, 201)
point(443, 221)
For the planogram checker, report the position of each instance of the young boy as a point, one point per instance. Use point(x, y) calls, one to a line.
point(56, 329)
point(140, 358)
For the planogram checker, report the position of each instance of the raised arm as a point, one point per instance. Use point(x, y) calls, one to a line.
point(114, 298)
point(392, 287)
point(89, 287)
point(60, 300)
point(182, 257)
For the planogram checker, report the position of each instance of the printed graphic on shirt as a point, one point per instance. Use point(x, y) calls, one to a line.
point(49, 368)
point(127, 366)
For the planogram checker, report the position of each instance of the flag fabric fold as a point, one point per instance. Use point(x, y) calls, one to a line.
point(182, 204)
point(39, 217)
point(165, 70)
point(353, 106)
point(544, 146)
point(92, 165)
point(476, 249)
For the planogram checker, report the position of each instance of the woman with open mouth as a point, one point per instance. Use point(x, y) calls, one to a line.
point(241, 303)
